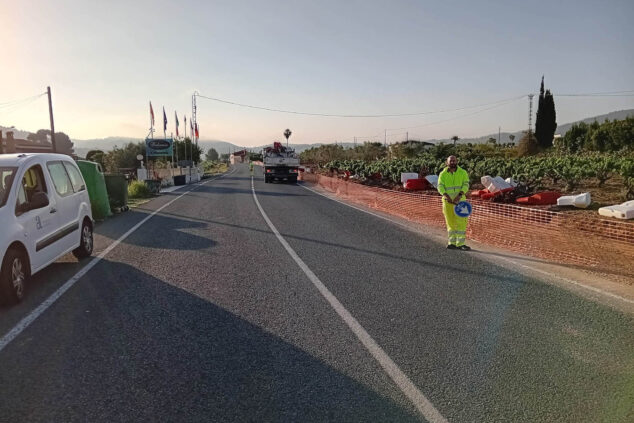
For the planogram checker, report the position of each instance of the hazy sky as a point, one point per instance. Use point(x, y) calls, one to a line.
point(106, 59)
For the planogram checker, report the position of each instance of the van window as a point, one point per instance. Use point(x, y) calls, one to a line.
point(75, 177)
point(60, 178)
point(32, 182)
point(6, 180)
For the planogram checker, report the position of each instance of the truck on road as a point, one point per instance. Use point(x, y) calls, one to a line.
point(281, 163)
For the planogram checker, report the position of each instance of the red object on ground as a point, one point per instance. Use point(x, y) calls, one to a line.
point(540, 199)
point(490, 195)
point(416, 184)
point(547, 197)
point(476, 193)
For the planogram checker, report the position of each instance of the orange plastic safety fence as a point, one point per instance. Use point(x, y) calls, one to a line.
point(587, 240)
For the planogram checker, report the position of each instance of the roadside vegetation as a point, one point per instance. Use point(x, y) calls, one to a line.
point(124, 158)
point(214, 167)
point(596, 157)
point(138, 189)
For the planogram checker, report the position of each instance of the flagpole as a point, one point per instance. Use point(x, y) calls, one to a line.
point(147, 160)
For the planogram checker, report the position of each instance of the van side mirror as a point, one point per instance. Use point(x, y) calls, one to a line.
point(39, 200)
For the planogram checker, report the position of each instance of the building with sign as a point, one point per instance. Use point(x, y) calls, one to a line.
point(238, 157)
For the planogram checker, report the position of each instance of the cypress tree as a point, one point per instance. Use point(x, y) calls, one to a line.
point(546, 119)
point(550, 120)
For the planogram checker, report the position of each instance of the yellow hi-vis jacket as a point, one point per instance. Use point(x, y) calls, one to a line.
point(452, 183)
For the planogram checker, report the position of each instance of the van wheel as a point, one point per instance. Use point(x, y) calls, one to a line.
point(13, 277)
point(86, 244)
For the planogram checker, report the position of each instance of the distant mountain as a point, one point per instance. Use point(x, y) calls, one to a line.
point(561, 129)
point(618, 115)
point(224, 147)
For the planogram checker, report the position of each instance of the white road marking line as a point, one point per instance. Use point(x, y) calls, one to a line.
point(544, 272)
point(422, 404)
point(37, 312)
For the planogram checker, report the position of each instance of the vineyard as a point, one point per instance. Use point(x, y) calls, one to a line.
point(571, 172)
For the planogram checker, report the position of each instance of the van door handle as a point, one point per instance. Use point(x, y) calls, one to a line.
point(53, 210)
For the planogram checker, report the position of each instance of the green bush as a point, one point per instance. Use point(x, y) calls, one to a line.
point(138, 189)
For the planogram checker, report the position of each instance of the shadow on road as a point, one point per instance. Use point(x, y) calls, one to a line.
point(211, 189)
point(442, 266)
point(126, 345)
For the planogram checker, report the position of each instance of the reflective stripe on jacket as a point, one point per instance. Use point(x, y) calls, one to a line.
point(452, 183)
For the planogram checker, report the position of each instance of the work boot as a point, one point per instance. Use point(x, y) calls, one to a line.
point(465, 248)
point(451, 247)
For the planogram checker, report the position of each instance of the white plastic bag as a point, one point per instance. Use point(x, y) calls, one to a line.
point(405, 176)
point(494, 184)
point(580, 200)
point(620, 211)
point(432, 179)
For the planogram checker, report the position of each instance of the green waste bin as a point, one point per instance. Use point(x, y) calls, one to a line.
point(117, 187)
point(96, 185)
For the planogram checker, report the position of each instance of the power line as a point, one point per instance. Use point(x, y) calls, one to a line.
point(14, 102)
point(17, 106)
point(604, 94)
point(269, 109)
point(457, 117)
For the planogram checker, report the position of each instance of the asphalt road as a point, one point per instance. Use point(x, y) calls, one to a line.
point(201, 314)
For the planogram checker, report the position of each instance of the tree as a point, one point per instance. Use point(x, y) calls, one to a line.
point(224, 158)
point(600, 139)
point(528, 145)
point(492, 140)
point(627, 173)
point(185, 149)
point(254, 157)
point(96, 156)
point(63, 144)
point(124, 157)
point(212, 155)
point(455, 139)
point(574, 139)
point(546, 120)
point(512, 138)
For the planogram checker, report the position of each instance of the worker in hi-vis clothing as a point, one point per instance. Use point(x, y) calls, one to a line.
point(453, 184)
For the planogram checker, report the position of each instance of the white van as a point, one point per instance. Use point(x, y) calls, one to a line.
point(44, 214)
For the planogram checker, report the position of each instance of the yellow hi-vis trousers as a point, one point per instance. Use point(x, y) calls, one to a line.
point(456, 226)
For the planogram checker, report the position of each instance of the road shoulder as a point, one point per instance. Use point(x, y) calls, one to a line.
point(583, 282)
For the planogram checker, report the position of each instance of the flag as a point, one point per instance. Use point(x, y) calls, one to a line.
point(191, 127)
point(176, 119)
point(185, 124)
point(164, 120)
point(196, 130)
point(152, 113)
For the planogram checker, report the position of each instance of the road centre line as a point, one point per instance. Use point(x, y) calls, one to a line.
point(422, 404)
point(37, 312)
point(508, 260)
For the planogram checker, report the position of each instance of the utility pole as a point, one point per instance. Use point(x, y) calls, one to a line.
point(50, 113)
point(499, 131)
point(385, 139)
point(194, 119)
point(407, 136)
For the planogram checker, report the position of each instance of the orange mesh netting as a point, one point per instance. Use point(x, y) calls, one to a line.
point(604, 245)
